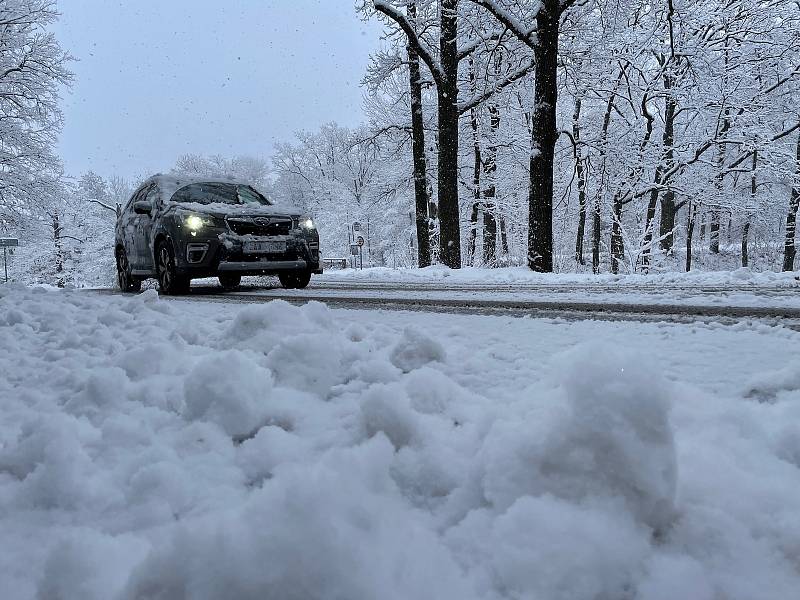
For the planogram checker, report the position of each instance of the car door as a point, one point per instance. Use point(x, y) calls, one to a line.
point(128, 224)
point(147, 225)
point(136, 228)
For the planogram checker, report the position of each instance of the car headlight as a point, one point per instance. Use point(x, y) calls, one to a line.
point(307, 223)
point(194, 222)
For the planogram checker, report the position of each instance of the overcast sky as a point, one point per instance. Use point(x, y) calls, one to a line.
point(159, 78)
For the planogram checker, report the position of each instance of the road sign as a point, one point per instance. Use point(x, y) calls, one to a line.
point(354, 249)
point(360, 241)
point(7, 243)
point(356, 226)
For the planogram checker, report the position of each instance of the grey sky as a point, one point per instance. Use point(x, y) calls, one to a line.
point(159, 78)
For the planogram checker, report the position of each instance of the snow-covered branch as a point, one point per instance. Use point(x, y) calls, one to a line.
point(414, 39)
point(521, 72)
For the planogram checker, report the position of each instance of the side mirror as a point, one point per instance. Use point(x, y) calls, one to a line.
point(143, 207)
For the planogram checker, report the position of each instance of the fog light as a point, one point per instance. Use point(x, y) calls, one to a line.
point(195, 253)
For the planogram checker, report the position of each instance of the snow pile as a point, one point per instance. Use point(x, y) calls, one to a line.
point(606, 436)
point(167, 449)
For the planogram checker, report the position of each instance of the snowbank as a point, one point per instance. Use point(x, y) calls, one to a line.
point(523, 275)
point(169, 449)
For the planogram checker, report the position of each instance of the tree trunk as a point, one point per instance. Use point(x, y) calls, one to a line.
point(598, 207)
point(791, 218)
point(745, 235)
point(596, 232)
point(714, 219)
point(581, 173)
point(489, 236)
point(713, 232)
point(691, 215)
point(490, 170)
point(473, 231)
point(746, 226)
point(617, 242)
point(543, 121)
point(667, 225)
point(449, 216)
point(668, 214)
point(503, 237)
point(476, 173)
point(421, 197)
point(59, 248)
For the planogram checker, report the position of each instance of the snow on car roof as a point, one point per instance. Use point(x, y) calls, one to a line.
point(171, 183)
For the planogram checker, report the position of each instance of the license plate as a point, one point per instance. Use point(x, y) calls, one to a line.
point(264, 247)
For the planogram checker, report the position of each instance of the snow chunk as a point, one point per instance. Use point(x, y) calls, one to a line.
point(546, 548)
point(228, 389)
point(606, 435)
point(334, 528)
point(309, 362)
point(386, 409)
point(89, 566)
point(415, 349)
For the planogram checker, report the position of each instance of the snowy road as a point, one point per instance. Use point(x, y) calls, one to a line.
point(667, 302)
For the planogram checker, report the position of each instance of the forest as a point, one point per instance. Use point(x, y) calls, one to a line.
point(596, 136)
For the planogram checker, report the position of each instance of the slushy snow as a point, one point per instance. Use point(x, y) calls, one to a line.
point(173, 449)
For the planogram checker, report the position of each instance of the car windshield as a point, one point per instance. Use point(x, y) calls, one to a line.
point(219, 193)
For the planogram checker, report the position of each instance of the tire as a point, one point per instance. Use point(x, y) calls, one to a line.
point(126, 281)
point(170, 282)
point(230, 282)
point(295, 281)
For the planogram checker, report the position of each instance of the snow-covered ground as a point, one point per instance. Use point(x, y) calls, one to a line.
point(740, 288)
point(779, 298)
point(178, 449)
point(484, 277)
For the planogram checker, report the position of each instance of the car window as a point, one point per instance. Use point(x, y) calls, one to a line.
point(151, 194)
point(219, 193)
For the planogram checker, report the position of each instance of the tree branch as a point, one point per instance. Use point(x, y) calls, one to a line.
point(508, 20)
point(382, 6)
point(469, 48)
point(745, 155)
point(508, 80)
point(104, 205)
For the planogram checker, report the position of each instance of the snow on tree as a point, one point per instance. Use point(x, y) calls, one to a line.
point(252, 169)
point(32, 69)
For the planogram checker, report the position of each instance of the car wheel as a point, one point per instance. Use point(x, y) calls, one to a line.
point(127, 282)
point(287, 280)
point(295, 281)
point(170, 282)
point(230, 282)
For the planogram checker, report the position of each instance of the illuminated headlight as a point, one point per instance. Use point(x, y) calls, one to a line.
point(307, 223)
point(197, 222)
point(194, 222)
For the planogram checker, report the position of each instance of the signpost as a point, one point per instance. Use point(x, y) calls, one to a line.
point(7, 243)
point(360, 242)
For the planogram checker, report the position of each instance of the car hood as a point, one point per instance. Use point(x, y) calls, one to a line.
point(227, 210)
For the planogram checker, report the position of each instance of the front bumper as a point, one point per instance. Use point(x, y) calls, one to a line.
point(259, 267)
point(223, 254)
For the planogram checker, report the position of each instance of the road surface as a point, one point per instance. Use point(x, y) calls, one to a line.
point(678, 303)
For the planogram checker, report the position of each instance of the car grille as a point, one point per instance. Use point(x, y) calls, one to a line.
point(260, 226)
